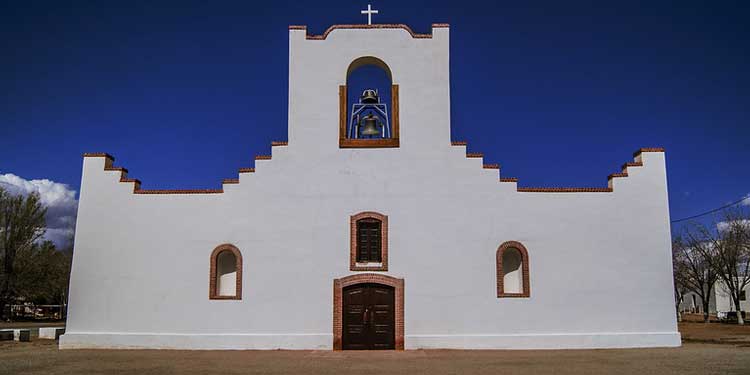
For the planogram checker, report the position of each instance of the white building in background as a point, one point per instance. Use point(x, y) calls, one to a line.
point(372, 230)
point(719, 301)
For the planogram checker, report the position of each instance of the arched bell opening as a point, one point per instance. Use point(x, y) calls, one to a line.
point(368, 105)
point(371, 61)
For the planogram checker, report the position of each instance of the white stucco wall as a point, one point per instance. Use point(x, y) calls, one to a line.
point(724, 299)
point(719, 300)
point(447, 216)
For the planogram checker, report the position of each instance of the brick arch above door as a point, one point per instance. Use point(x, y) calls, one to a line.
point(363, 278)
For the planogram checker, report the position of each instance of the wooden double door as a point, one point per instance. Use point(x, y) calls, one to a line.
point(369, 317)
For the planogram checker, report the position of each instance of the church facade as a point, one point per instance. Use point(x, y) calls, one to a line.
point(426, 247)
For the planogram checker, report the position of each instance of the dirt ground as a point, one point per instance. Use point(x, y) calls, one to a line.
point(716, 333)
point(51, 323)
point(698, 318)
point(712, 348)
point(42, 357)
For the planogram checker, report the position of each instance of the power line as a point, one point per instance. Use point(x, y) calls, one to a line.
point(712, 211)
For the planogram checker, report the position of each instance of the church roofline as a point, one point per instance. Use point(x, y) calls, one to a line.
point(609, 189)
point(375, 26)
point(108, 166)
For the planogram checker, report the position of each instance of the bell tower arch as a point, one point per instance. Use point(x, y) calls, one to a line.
point(417, 64)
point(368, 107)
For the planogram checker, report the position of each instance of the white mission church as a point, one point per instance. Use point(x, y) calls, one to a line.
point(428, 247)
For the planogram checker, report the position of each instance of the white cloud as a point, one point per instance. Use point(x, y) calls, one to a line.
point(746, 202)
point(724, 225)
point(59, 199)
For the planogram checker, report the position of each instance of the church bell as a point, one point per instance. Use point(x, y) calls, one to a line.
point(369, 117)
point(369, 96)
point(369, 125)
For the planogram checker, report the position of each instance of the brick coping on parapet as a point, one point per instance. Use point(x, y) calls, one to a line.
point(108, 166)
point(374, 26)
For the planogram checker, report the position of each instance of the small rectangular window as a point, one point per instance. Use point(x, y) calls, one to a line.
point(368, 249)
point(743, 295)
point(368, 241)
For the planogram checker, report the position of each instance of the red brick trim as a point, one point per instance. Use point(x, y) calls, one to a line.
point(609, 189)
point(508, 179)
point(648, 149)
point(345, 142)
point(376, 26)
point(338, 288)
point(630, 164)
point(231, 181)
point(137, 183)
point(615, 175)
point(369, 143)
point(474, 155)
point(353, 241)
point(109, 168)
point(435, 25)
point(342, 135)
point(98, 154)
point(181, 191)
point(563, 190)
point(491, 166)
point(279, 143)
point(212, 272)
point(135, 180)
point(524, 268)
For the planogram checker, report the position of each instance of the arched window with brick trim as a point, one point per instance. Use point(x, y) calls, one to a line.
point(512, 261)
point(369, 242)
point(225, 273)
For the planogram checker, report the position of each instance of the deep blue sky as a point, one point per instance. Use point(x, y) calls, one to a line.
point(560, 93)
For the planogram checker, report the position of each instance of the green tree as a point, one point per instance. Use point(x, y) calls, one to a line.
point(22, 224)
point(42, 273)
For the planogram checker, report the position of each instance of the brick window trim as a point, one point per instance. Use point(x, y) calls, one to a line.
point(524, 268)
point(345, 142)
point(212, 283)
point(383, 241)
point(365, 278)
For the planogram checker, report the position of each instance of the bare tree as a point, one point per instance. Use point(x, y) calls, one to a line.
point(693, 269)
point(679, 274)
point(22, 223)
point(728, 250)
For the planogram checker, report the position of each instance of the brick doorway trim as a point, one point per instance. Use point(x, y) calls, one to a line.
point(362, 278)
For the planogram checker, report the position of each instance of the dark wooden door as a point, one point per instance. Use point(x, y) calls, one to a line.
point(369, 318)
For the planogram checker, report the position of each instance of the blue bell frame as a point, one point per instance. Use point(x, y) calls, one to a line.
point(380, 109)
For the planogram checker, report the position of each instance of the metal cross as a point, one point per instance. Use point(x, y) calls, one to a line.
point(369, 12)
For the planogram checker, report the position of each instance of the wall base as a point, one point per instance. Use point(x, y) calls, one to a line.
point(189, 341)
point(117, 340)
point(546, 341)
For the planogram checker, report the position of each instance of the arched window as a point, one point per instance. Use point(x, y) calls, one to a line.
point(512, 270)
point(369, 242)
point(226, 273)
point(368, 105)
